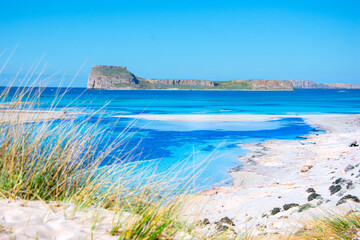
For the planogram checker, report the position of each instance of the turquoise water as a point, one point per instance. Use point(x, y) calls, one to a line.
point(212, 102)
point(170, 142)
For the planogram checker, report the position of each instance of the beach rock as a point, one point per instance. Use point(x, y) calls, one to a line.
point(221, 227)
point(334, 189)
point(313, 196)
point(354, 144)
point(305, 207)
point(339, 181)
point(275, 211)
point(350, 185)
point(204, 222)
point(343, 182)
point(226, 220)
point(310, 190)
point(349, 168)
point(290, 205)
point(306, 168)
point(345, 198)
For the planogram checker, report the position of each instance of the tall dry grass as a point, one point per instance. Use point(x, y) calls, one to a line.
point(59, 160)
point(51, 156)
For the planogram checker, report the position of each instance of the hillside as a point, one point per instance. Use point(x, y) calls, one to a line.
point(119, 78)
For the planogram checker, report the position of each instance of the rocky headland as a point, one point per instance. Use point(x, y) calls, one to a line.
point(119, 78)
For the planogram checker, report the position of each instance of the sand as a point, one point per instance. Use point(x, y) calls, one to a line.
point(275, 173)
point(16, 116)
point(205, 117)
point(39, 220)
point(279, 172)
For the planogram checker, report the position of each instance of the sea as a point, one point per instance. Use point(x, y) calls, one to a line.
point(216, 146)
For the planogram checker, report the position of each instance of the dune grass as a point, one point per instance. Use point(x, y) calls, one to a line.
point(331, 226)
point(59, 160)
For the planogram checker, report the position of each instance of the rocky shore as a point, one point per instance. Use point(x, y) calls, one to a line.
point(283, 183)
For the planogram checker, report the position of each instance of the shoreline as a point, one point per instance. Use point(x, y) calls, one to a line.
point(279, 172)
point(22, 116)
point(275, 174)
point(224, 117)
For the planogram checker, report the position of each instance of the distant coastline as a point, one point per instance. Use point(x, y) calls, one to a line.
point(106, 77)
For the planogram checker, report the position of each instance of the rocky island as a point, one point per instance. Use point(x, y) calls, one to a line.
point(119, 78)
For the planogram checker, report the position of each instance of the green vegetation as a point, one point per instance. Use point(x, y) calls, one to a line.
point(114, 71)
point(333, 226)
point(233, 85)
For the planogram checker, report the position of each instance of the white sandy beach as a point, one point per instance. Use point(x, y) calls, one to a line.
point(206, 117)
point(279, 172)
point(275, 173)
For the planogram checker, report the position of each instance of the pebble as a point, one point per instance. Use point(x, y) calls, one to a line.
point(275, 211)
point(313, 196)
point(334, 189)
point(306, 168)
point(349, 168)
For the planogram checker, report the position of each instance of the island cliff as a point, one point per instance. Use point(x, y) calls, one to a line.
point(119, 78)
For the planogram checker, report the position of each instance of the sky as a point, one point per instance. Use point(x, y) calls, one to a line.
point(212, 40)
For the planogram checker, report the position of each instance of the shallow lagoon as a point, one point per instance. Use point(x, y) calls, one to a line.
point(170, 142)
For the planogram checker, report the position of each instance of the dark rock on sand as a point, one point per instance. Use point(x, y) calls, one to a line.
point(306, 168)
point(334, 189)
point(339, 181)
point(226, 220)
point(290, 205)
point(304, 207)
point(275, 211)
point(205, 221)
point(345, 182)
point(349, 168)
point(221, 228)
point(345, 198)
point(310, 190)
point(342, 181)
point(350, 185)
point(313, 196)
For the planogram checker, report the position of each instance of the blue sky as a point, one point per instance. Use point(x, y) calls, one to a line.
point(213, 40)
